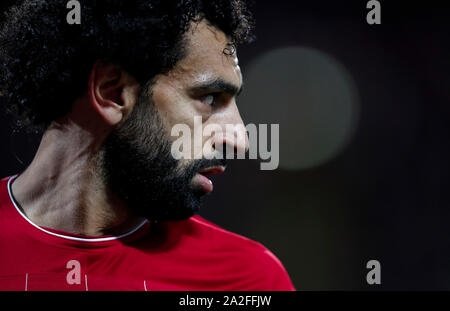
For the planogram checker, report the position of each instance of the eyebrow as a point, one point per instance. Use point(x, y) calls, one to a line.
point(218, 85)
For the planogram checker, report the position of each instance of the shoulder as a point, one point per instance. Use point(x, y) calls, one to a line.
point(4, 180)
point(260, 268)
point(7, 209)
point(4, 194)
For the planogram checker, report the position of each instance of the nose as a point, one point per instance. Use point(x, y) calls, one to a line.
point(234, 134)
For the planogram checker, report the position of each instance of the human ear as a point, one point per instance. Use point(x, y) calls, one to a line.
point(112, 92)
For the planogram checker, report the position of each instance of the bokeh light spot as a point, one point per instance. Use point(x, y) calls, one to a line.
point(313, 98)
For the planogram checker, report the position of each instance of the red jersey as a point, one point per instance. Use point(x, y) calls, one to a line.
point(187, 255)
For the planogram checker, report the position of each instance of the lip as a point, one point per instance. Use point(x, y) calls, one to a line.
point(212, 170)
point(203, 181)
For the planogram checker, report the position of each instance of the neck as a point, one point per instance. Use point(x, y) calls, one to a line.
point(63, 188)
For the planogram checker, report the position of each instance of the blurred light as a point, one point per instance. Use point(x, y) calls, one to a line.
point(311, 96)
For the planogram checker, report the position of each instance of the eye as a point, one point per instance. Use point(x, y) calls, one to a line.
point(209, 99)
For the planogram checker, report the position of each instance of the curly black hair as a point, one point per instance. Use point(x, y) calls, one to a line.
point(45, 62)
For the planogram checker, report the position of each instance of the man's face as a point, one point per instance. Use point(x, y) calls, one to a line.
point(137, 160)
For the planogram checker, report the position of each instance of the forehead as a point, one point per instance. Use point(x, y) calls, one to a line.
point(205, 57)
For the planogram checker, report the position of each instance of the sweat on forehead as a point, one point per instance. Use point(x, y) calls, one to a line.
point(230, 49)
point(202, 32)
point(208, 52)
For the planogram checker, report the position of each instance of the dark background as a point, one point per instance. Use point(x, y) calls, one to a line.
point(384, 195)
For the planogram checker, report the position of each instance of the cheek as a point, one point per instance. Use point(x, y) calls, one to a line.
point(176, 109)
point(173, 107)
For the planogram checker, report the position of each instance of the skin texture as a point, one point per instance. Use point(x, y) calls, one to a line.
point(62, 188)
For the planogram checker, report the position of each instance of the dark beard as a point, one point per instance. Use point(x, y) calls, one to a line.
point(138, 167)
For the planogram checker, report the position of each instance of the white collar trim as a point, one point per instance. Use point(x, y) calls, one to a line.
point(65, 236)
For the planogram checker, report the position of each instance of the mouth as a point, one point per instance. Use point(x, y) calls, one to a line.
point(201, 178)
